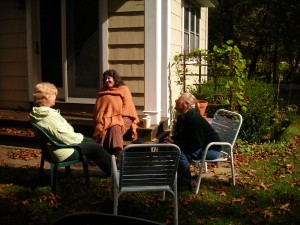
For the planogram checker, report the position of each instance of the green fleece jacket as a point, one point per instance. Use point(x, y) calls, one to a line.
point(57, 128)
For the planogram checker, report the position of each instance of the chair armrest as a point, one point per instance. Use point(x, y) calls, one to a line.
point(217, 143)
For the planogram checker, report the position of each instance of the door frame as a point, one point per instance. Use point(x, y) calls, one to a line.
point(33, 42)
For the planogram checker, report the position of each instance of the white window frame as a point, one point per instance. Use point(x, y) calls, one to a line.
point(188, 4)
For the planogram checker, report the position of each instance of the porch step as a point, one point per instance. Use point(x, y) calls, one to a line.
point(15, 130)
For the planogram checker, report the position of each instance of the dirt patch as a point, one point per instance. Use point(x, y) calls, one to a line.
point(19, 157)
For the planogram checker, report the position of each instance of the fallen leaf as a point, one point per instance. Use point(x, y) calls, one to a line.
point(261, 184)
point(267, 214)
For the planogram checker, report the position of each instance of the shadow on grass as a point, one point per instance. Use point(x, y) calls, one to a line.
point(23, 197)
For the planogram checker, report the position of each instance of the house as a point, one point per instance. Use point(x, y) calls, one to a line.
point(70, 43)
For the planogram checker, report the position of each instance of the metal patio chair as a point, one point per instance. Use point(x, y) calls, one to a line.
point(146, 168)
point(227, 124)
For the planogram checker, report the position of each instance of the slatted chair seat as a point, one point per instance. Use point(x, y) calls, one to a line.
point(146, 168)
point(227, 124)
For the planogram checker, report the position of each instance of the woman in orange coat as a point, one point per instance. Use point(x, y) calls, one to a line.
point(114, 113)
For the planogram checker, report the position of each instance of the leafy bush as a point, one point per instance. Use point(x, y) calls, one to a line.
point(260, 116)
point(227, 86)
point(227, 73)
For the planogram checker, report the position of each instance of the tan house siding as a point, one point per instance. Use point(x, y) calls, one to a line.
point(126, 45)
point(203, 28)
point(123, 49)
point(13, 56)
point(176, 45)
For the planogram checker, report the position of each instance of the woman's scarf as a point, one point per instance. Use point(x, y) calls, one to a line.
point(111, 105)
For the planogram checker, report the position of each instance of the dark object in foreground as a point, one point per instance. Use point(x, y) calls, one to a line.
point(101, 218)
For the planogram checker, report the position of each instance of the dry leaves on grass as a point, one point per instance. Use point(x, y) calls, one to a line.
point(25, 154)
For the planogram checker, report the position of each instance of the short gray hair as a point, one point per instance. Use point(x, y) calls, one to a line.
point(42, 91)
point(189, 98)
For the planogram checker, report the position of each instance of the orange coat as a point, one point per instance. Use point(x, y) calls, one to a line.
point(111, 105)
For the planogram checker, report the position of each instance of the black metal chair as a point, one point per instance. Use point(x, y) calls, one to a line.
point(90, 218)
point(48, 146)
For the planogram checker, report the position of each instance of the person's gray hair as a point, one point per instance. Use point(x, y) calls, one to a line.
point(189, 99)
point(42, 91)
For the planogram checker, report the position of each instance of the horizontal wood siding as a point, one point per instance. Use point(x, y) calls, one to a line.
point(126, 45)
point(129, 69)
point(126, 6)
point(13, 55)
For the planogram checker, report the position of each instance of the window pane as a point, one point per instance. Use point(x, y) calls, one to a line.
point(193, 19)
point(192, 42)
point(186, 19)
point(197, 20)
point(186, 42)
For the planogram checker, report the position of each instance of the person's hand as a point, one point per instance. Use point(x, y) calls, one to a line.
point(168, 140)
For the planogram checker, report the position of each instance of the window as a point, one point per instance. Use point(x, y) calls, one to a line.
point(191, 26)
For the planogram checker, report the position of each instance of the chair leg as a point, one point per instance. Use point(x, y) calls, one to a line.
point(42, 163)
point(175, 201)
point(232, 182)
point(200, 176)
point(68, 170)
point(116, 200)
point(175, 210)
point(112, 184)
point(86, 171)
point(54, 171)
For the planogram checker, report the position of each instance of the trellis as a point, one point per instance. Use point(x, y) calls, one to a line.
point(207, 68)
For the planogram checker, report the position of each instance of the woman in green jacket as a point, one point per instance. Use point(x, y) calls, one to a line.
point(61, 131)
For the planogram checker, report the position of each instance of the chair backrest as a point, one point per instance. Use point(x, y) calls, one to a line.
point(46, 144)
point(227, 124)
point(147, 165)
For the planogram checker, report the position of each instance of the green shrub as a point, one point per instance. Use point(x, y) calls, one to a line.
point(259, 118)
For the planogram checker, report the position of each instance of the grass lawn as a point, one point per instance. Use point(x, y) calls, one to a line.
point(267, 192)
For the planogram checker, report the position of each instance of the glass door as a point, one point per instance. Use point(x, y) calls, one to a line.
point(69, 47)
point(82, 26)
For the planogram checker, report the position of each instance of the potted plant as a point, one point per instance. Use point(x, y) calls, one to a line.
point(201, 101)
point(202, 104)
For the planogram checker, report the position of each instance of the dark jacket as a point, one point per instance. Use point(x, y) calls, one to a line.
point(193, 132)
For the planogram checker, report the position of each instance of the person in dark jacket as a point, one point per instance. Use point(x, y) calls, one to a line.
point(192, 134)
